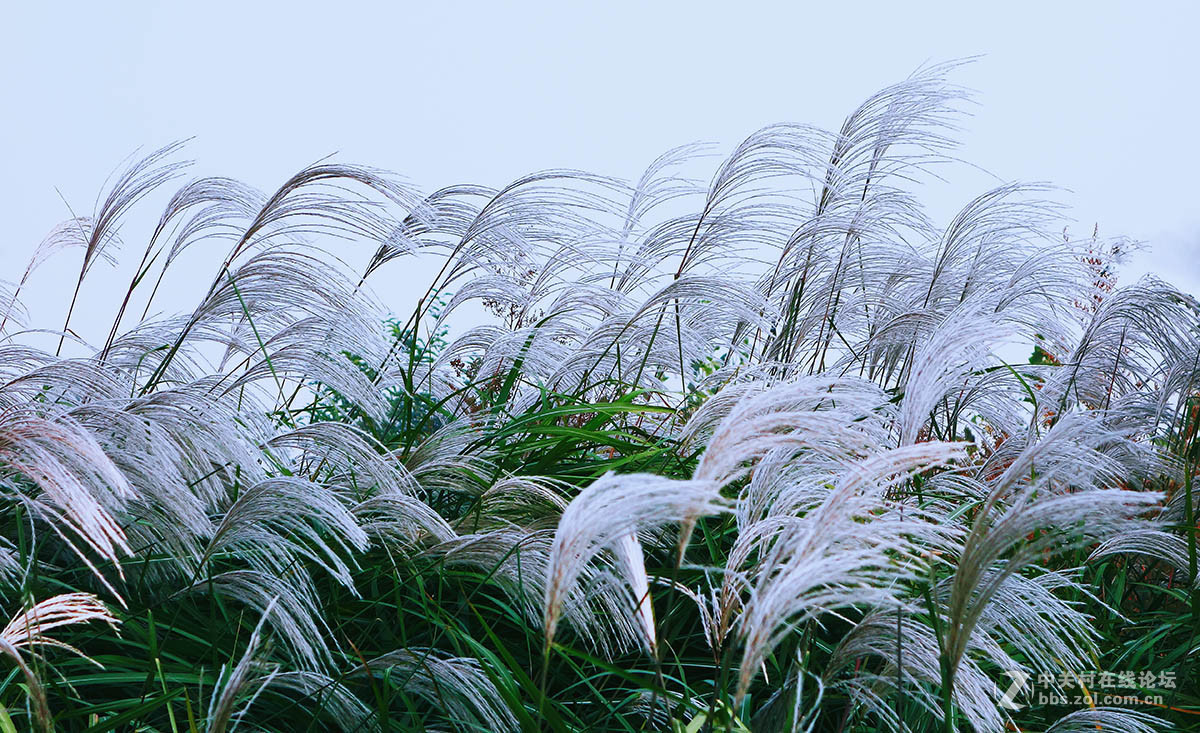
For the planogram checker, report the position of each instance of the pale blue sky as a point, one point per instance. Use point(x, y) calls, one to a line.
point(1098, 98)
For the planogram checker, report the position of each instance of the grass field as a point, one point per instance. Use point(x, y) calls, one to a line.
point(738, 445)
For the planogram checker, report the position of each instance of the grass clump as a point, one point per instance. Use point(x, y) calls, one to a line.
point(735, 455)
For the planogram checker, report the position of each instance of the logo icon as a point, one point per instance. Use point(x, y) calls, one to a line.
point(1009, 698)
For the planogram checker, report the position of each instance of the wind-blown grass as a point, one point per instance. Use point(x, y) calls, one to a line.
point(736, 455)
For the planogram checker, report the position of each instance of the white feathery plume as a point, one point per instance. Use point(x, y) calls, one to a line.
point(338, 453)
point(79, 486)
point(835, 417)
point(998, 544)
point(272, 522)
point(942, 365)
point(29, 631)
point(841, 554)
point(599, 608)
point(339, 707)
point(1150, 542)
point(286, 603)
point(1117, 720)
point(399, 520)
point(239, 683)
point(606, 513)
point(628, 552)
point(458, 686)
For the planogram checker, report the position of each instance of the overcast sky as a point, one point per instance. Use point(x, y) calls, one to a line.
point(1099, 99)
